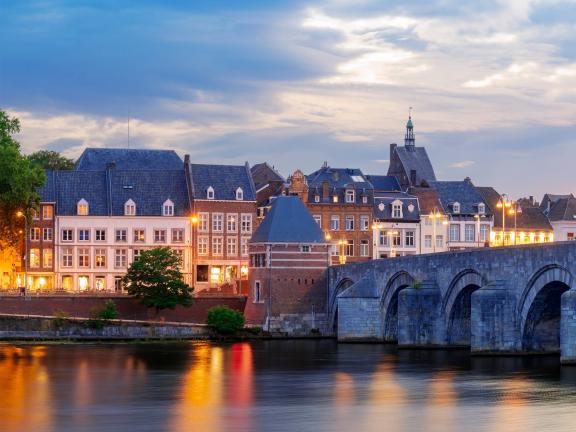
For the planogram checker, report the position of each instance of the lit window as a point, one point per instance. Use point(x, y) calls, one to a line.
point(139, 235)
point(335, 198)
point(130, 208)
point(317, 198)
point(47, 212)
point(82, 207)
point(100, 258)
point(47, 258)
point(34, 257)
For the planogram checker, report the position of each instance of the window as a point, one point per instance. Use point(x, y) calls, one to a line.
point(120, 258)
point(239, 194)
point(316, 198)
point(83, 283)
point(202, 245)
point(160, 236)
point(67, 283)
point(34, 234)
point(67, 257)
point(47, 258)
point(217, 222)
point(305, 248)
point(118, 284)
point(364, 223)
point(34, 214)
point(177, 235)
point(82, 208)
point(67, 234)
point(335, 198)
point(481, 208)
point(100, 283)
point(83, 257)
point(454, 232)
point(409, 238)
point(168, 208)
point(469, 233)
point(349, 223)
point(100, 258)
point(364, 248)
point(231, 223)
point(139, 235)
point(396, 239)
point(258, 260)
point(383, 237)
point(247, 223)
point(203, 222)
point(130, 208)
point(217, 246)
point(83, 234)
point(396, 210)
point(350, 196)
point(100, 235)
point(456, 207)
point(257, 292)
point(47, 234)
point(210, 193)
point(318, 220)
point(439, 241)
point(349, 251)
point(136, 254)
point(364, 200)
point(484, 232)
point(334, 223)
point(428, 220)
point(231, 246)
point(428, 241)
point(202, 273)
point(47, 212)
point(121, 235)
point(34, 257)
point(244, 246)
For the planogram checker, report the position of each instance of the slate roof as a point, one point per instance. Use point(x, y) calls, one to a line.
point(263, 174)
point(383, 183)
point(462, 192)
point(48, 191)
point(72, 186)
point(288, 221)
point(338, 179)
point(563, 209)
point(383, 206)
point(550, 199)
point(529, 218)
point(128, 159)
point(416, 159)
point(428, 200)
point(224, 179)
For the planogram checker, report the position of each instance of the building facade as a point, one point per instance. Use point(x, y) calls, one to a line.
point(561, 213)
point(433, 221)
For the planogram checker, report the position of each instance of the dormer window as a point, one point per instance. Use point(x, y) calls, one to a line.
point(364, 200)
point(456, 208)
point(481, 208)
point(168, 208)
point(239, 194)
point(82, 207)
point(335, 198)
point(129, 208)
point(350, 196)
point(397, 209)
point(317, 198)
point(210, 193)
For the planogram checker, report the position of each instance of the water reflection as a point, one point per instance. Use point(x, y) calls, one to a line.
point(280, 386)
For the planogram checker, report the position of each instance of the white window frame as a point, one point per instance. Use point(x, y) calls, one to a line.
point(82, 208)
point(218, 222)
point(232, 246)
point(239, 194)
point(168, 208)
point(203, 222)
point(210, 193)
point(350, 196)
point(129, 208)
point(203, 246)
point(246, 223)
point(232, 222)
point(217, 246)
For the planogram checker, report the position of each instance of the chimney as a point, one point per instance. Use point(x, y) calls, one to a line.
point(392, 150)
point(531, 199)
point(413, 177)
point(468, 180)
point(325, 190)
point(189, 185)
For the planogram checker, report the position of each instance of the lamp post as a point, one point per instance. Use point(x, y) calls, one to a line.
point(514, 211)
point(343, 244)
point(21, 214)
point(503, 203)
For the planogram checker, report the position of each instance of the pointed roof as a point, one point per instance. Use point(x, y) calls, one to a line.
point(289, 221)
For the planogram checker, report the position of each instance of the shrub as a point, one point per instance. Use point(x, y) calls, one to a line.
point(60, 317)
point(109, 311)
point(224, 320)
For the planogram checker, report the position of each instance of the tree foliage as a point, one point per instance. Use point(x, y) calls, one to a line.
point(20, 180)
point(51, 160)
point(155, 280)
point(225, 320)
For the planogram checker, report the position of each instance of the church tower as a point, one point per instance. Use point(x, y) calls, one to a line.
point(409, 140)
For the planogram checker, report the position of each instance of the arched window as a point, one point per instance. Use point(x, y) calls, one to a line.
point(210, 192)
point(481, 208)
point(82, 207)
point(129, 208)
point(397, 209)
point(456, 207)
point(239, 194)
point(168, 208)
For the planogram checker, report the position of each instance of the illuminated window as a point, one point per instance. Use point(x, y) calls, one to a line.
point(34, 257)
point(139, 235)
point(100, 283)
point(83, 283)
point(47, 258)
point(47, 212)
point(82, 207)
point(100, 258)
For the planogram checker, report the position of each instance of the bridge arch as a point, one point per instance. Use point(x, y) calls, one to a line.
point(389, 303)
point(341, 286)
point(457, 306)
point(539, 308)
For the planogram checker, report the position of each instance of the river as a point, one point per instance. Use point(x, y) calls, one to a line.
point(298, 385)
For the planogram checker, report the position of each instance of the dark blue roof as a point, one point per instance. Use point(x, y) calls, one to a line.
point(339, 180)
point(288, 221)
point(224, 179)
point(383, 206)
point(128, 159)
point(72, 186)
point(48, 191)
point(384, 182)
point(462, 192)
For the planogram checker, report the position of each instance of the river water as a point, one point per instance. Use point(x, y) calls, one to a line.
point(278, 386)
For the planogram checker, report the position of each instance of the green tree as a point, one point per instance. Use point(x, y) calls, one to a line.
point(225, 320)
point(51, 160)
point(155, 280)
point(20, 180)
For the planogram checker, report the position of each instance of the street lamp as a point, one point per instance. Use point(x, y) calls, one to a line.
point(21, 214)
point(342, 244)
point(504, 204)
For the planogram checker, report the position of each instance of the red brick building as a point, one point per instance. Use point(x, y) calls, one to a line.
point(288, 259)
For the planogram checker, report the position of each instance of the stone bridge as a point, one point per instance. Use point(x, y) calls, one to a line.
point(518, 299)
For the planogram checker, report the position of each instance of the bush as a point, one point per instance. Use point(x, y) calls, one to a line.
point(109, 311)
point(224, 320)
point(60, 317)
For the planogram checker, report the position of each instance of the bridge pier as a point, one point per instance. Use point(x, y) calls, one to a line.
point(419, 323)
point(568, 327)
point(493, 320)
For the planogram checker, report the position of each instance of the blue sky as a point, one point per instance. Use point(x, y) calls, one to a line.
point(296, 83)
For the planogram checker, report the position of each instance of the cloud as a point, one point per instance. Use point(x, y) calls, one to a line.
point(461, 164)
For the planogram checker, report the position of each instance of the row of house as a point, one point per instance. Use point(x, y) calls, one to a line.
point(95, 220)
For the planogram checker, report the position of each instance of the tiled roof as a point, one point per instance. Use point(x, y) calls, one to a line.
point(417, 159)
point(288, 221)
point(72, 186)
point(462, 192)
point(550, 199)
point(338, 180)
point(48, 191)
point(563, 209)
point(262, 174)
point(384, 183)
point(224, 179)
point(383, 206)
point(528, 218)
point(128, 159)
point(428, 200)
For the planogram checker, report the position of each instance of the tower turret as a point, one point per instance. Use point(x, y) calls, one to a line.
point(409, 140)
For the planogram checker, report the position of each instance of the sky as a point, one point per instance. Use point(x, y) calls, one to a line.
point(296, 83)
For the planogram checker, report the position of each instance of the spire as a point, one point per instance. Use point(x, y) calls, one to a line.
point(409, 140)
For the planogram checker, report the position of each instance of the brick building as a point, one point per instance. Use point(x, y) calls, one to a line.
point(288, 258)
point(268, 183)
